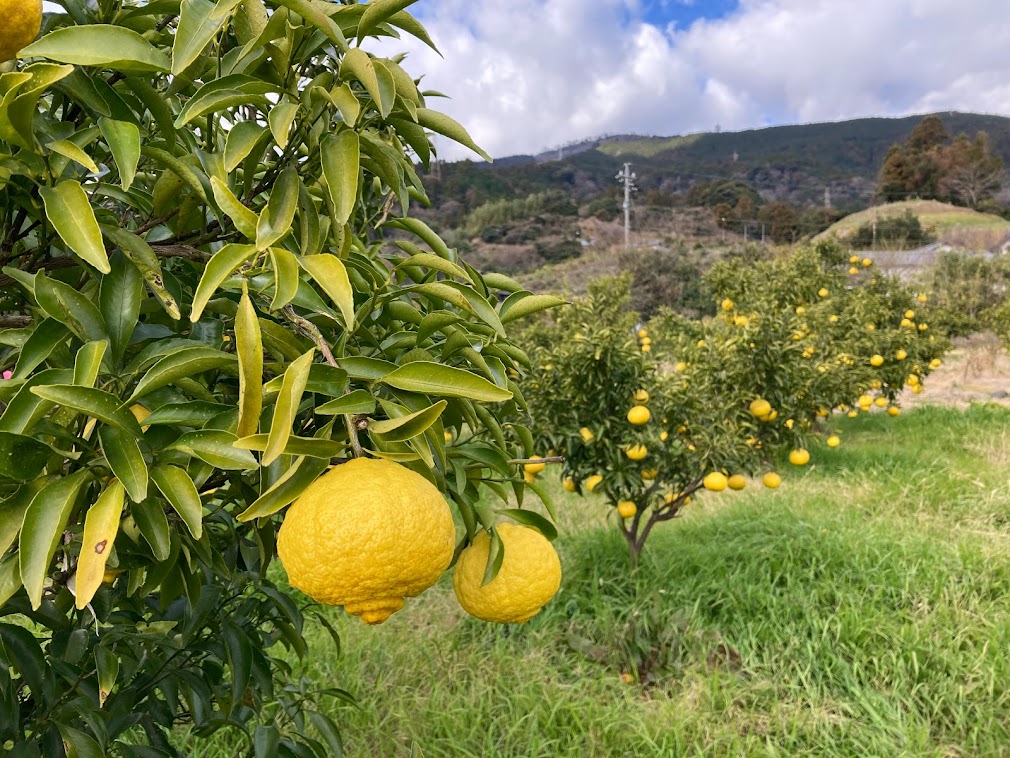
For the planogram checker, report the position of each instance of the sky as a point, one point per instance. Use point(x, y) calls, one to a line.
point(529, 75)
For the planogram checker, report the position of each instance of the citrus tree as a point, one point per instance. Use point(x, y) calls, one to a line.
point(213, 294)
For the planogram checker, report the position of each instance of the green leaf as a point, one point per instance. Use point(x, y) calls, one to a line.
point(107, 664)
point(102, 46)
point(12, 514)
point(119, 301)
point(242, 139)
point(188, 362)
point(357, 64)
point(265, 741)
point(314, 14)
point(10, 578)
point(22, 649)
point(249, 348)
point(26, 408)
point(341, 159)
point(430, 378)
point(197, 27)
point(245, 220)
point(67, 305)
point(45, 520)
point(275, 221)
point(409, 426)
point(426, 234)
point(436, 262)
point(532, 519)
point(358, 401)
point(501, 282)
point(329, 273)
point(126, 461)
point(123, 139)
point(240, 655)
point(369, 369)
point(47, 335)
point(142, 256)
point(22, 458)
point(178, 488)
point(217, 448)
point(69, 211)
point(526, 305)
point(153, 525)
point(296, 446)
point(328, 731)
point(280, 119)
point(221, 265)
point(92, 402)
point(447, 127)
point(295, 378)
point(69, 150)
point(286, 489)
point(495, 556)
point(185, 414)
point(101, 525)
point(87, 363)
point(79, 744)
point(347, 103)
point(285, 266)
point(378, 12)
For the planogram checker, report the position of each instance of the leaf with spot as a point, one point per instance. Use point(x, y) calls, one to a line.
point(101, 525)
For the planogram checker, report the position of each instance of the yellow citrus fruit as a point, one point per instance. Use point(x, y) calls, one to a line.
point(822, 292)
point(917, 389)
point(664, 436)
point(772, 416)
point(771, 480)
point(701, 343)
point(912, 380)
point(593, 482)
point(639, 415)
point(637, 452)
point(646, 348)
point(853, 270)
point(534, 468)
point(876, 384)
point(871, 327)
point(865, 400)
point(833, 318)
point(646, 341)
point(568, 484)
point(448, 436)
point(800, 310)
point(529, 478)
point(643, 332)
point(586, 434)
point(853, 414)
point(833, 441)
point(867, 262)
point(901, 355)
point(626, 509)
point(935, 364)
point(760, 408)
point(365, 535)
point(727, 304)
point(877, 360)
point(909, 314)
point(20, 22)
point(529, 577)
point(799, 457)
point(880, 402)
point(648, 474)
point(854, 259)
point(737, 482)
point(741, 321)
point(921, 298)
point(716, 481)
point(893, 410)
point(680, 366)
point(789, 423)
point(907, 323)
point(923, 327)
point(641, 396)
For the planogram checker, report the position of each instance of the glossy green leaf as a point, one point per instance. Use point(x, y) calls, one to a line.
point(249, 348)
point(296, 446)
point(69, 150)
point(92, 402)
point(223, 264)
point(87, 363)
point(315, 16)
point(280, 119)
point(245, 220)
point(329, 272)
point(377, 12)
point(100, 45)
point(185, 414)
point(12, 513)
point(21, 457)
point(125, 459)
point(275, 221)
point(188, 362)
point(242, 138)
point(527, 305)
point(142, 256)
point(197, 27)
point(119, 301)
point(178, 488)
point(285, 266)
point(123, 139)
point(10, 578)
point(79, 744)
point(70, 307)
point(357, 64)
point(286, 489)
point(430, 378)
point(341, 159)
point(153, 525)
point(286, 409)
point(447, 127)
point(356, 402)
point(69, 211)
point(101, 525)
point(26, 408)
point(43, 527)
point(45, 338)
point(408, 426)
point(217, 448)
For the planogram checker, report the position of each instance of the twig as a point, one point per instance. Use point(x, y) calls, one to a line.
point(14, 322)
point(311, 331)
point(548, 459)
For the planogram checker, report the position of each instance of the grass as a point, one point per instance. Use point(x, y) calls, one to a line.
point(646, 146)
point(861, 609)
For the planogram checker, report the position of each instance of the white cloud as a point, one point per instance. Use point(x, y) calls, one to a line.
point(529, 74)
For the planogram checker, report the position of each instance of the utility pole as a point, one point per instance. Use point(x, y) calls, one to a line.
point(627, 178)
point(827, 197)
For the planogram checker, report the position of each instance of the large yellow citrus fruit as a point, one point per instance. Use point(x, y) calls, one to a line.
point(626, 509)
point(366, 535)
point(639, 415)
point(737, 482)
point(529, 577)
point(799, 457)
point(716, 481)
point(20, 22)
point(760, 408)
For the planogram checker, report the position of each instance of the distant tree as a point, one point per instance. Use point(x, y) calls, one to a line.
point(973, 173)
point(782, 221)
point(669, 277)
point(929, 134)
point(724, 215)
point(893, 232)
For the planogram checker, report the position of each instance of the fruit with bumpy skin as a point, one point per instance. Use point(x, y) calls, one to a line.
point(901, 355)
point(626, 509)
point(529, 576)
point(799, 457)
point(20, 22)
point(771, 480)
point(715, 482)
point(639, 415)
point(366, 535)
point(727, 304)
point(737, 482)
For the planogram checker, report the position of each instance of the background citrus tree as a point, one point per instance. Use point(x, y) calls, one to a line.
point(202, 312)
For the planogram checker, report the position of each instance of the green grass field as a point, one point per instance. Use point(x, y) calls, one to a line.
point(862, 609)
point(941, 217)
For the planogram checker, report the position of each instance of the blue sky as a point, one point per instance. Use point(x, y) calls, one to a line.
point(529, 75)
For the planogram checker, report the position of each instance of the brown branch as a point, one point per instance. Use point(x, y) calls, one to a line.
point(162, 251)
point(14, 322)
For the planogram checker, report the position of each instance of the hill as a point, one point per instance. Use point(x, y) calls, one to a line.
point(948, 223)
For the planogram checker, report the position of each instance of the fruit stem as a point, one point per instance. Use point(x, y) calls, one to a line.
point(312, 331)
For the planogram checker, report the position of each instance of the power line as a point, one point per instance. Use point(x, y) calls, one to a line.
point(627, 178)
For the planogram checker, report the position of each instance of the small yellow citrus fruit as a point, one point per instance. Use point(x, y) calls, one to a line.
point(921, 297)
point(853, 413)
point(727, 304)
point(641, 396)
point(365, 535)
point(643, 332)
point(534, 468)
point(893, 410)
point(568, 484)
point(854, 259)
point(637, 452)
point(877, 360)
point(737, 482)
point(626, 509)
point(853, 270)
point(529, 576)
point(649, 474)
point(867, 262)
point(639, 415)
point(716, 481)
point(593, 482)
point(935, 364)
point(799, 457)
point(664, 436)
point(771, 480)
point(822, 292)
point(448, 436)
point(760, 408)
point(586, 434)
point(880, 402)
point(909, 314)
point(833, 441)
